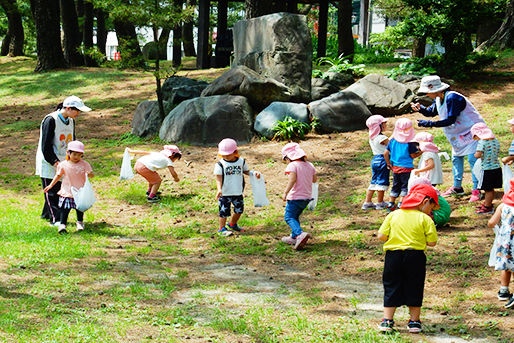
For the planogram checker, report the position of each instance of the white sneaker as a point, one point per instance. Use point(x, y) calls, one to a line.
point(56, 224)
point(80, 226)
point(381, 205)
point(368, 206)
point(62, 229)
point(289, 240)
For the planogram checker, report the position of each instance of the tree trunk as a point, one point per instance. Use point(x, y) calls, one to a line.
point(72, 38)
point(88, 33)
point(504, 37)
point(101, 31)
point(345, 45)
point(177, 39)
point(418, 47)
point(13, 42)
point(257, 8)
point(48, 34)
point(128, 44)
point(80, 15)
point(187, 34)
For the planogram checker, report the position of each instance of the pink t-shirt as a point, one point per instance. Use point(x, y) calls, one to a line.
point(302, 189)
point(74, 175)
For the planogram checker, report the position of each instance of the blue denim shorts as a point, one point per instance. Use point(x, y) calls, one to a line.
point(379, 171)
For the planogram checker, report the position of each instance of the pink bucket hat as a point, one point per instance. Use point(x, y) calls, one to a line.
point(482, 131)
point(403, 130)
point(168, 150)
point(292, 151)
point(428, 146)
point(423, 137)
point(511, 121)
point(227, 146)
point(373, 123)
point(76, 146)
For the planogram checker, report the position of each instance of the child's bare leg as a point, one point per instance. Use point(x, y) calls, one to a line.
point(235, 218)
point(155, 187)
point(414, 312)
point(488, 198)
point(369, 195)
point(389, 312)
point(505, 277)
point(392, 199)
point(380, 196)
point(223, 221)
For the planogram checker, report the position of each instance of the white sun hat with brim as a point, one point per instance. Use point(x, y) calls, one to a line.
point(432, 84)
point(75, 101)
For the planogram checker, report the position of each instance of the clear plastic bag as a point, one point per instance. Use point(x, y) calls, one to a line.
point(507, 175)
point(315, 193)
point(478, 172)
point(84, 197)
point(259, 190)
point(492, 254)
point(126, 167)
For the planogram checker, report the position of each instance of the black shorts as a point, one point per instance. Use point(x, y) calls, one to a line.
point(224, 205)
point(404, 277)
point(492, 179)
point(400, 184)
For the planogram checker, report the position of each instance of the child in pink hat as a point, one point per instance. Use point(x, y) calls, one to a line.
point(430, 164)
point(230, 171)
point(509, 159)
point(399, 156)
point(488, 149)
point(73, 173)
point(301, 175)
point(379, 172)
point(150, 162)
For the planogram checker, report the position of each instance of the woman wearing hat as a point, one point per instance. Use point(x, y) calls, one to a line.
point(56, 131)
point(457, 116)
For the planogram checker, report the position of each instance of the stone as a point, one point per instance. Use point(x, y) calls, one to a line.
point(241, 80)
point(177, 89)
point(147, 119)
point(383, 95)
point(277, 46)
point(338, 79)
point(207, 120)
point(340, 112)
point(321, 88)
point(277, 111)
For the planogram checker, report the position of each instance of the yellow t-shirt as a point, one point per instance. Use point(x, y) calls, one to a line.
point(408, 229)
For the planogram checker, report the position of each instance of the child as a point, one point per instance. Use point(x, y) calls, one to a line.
point(505, 243)
point(430, 163)
point(488, 149)
point(147, 166)
point(298, 193)
point(229, 172)
point(423, 137)
point(379, 172)
point(440, 216)
point(399, 156)
point(74, 170)
point(406, 234)
point(509, 159)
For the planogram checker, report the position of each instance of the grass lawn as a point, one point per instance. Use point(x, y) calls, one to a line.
point(157, 272)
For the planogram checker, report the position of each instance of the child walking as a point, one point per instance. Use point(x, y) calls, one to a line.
point(504, 248)
point(399, 156)
point(298, 193)
point(73, 173)
point(379, 172)
point(150, 162)
point(230, 183)
point(430, 164)
point(488, 149)
point(406, 233)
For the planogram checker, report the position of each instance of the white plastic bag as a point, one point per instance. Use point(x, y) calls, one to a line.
point(492, 254)
point(84, 197)
point(315, 192)
point(258, 190)
point(126, 168)
point(507, 175)
point(444, 154)
point(478, 172)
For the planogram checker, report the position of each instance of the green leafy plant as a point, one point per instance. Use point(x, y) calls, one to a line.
point(416, 66)
point(290, 129)
point(340, 65)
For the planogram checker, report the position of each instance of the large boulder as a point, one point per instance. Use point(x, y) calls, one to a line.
point(277, 46)
point(207, 120)
point(177, 89)
point(321, 88)
point(383, 95)
point(277, 111)
point(241, 80)
point(147, 119)
point(338, 79)
point(340, 112)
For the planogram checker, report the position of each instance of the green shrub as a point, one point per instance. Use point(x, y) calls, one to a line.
point(290, 129)
point(338, 65)
point(416, 66)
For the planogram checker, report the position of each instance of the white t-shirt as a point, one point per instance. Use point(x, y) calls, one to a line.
point(376, 147)
point(232, 176)
point(155, 160)
point(435, 175)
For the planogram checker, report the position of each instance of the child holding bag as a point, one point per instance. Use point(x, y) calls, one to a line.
point(430, 164)
point(73, 173)
point(298, 193)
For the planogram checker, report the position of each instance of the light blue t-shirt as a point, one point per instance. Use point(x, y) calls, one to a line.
point(511, 149)
point(400, 153)
point(490, 149)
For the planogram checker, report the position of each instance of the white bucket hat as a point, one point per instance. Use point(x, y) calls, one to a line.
point(75, 101)
point(432, 84)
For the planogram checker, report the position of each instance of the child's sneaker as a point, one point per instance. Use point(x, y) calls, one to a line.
point(148, 193)
point(391, 206)
point(301, 240)
point(224, 232)
point(155, 198)
point(381, 206)
point(475, 196)
point(414, 326)
point(453, 191)
point(62, 229)
point(504, 296)
point(387, 325)
point(485, 210)
point(288, 240)
point(510, 303)
point(236, 228)
point(80, 226)
point(368, 206)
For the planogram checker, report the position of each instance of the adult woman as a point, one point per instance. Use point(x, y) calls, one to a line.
point(457, 116)
point(57, 130)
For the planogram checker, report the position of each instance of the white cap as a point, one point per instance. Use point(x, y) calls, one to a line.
point(432, 84)
point(75, 101)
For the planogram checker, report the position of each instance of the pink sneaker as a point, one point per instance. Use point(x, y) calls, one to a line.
point(301, 240)
point(475, 196)
point(453, 191)
point(289, 240)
